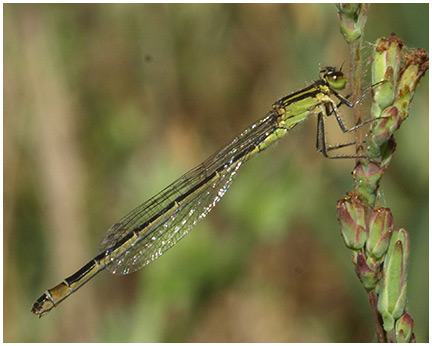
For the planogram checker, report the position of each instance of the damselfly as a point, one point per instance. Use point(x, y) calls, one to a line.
point(149, 230)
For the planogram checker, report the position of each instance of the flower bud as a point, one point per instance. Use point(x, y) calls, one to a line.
point(380, 228)
point(367, 271)
point(352, 221)
point(416, 64)
point(367, 176)
point(385, 67)
point(349, 23)
point(404, 328)
point(383, 129)
point(393, 293)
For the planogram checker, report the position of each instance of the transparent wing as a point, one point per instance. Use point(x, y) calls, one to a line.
point(203, 187)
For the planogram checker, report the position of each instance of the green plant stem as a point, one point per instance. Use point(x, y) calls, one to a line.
point(356, 69)
point(357, 21)
point(379, 330)
point(353, 18)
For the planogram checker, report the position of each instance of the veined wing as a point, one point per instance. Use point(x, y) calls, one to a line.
point(152, 228)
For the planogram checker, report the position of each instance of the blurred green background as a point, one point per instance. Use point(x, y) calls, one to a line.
point(105, 105)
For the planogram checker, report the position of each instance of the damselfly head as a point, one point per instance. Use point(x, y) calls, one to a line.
point(335, 78)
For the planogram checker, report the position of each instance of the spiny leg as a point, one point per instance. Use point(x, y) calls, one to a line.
point(323, 148)
point(340, 122)
point(339, 146)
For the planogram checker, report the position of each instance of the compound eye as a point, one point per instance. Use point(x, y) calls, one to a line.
point(336, 80)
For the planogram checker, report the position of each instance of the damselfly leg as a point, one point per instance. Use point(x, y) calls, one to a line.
point(330, 108)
